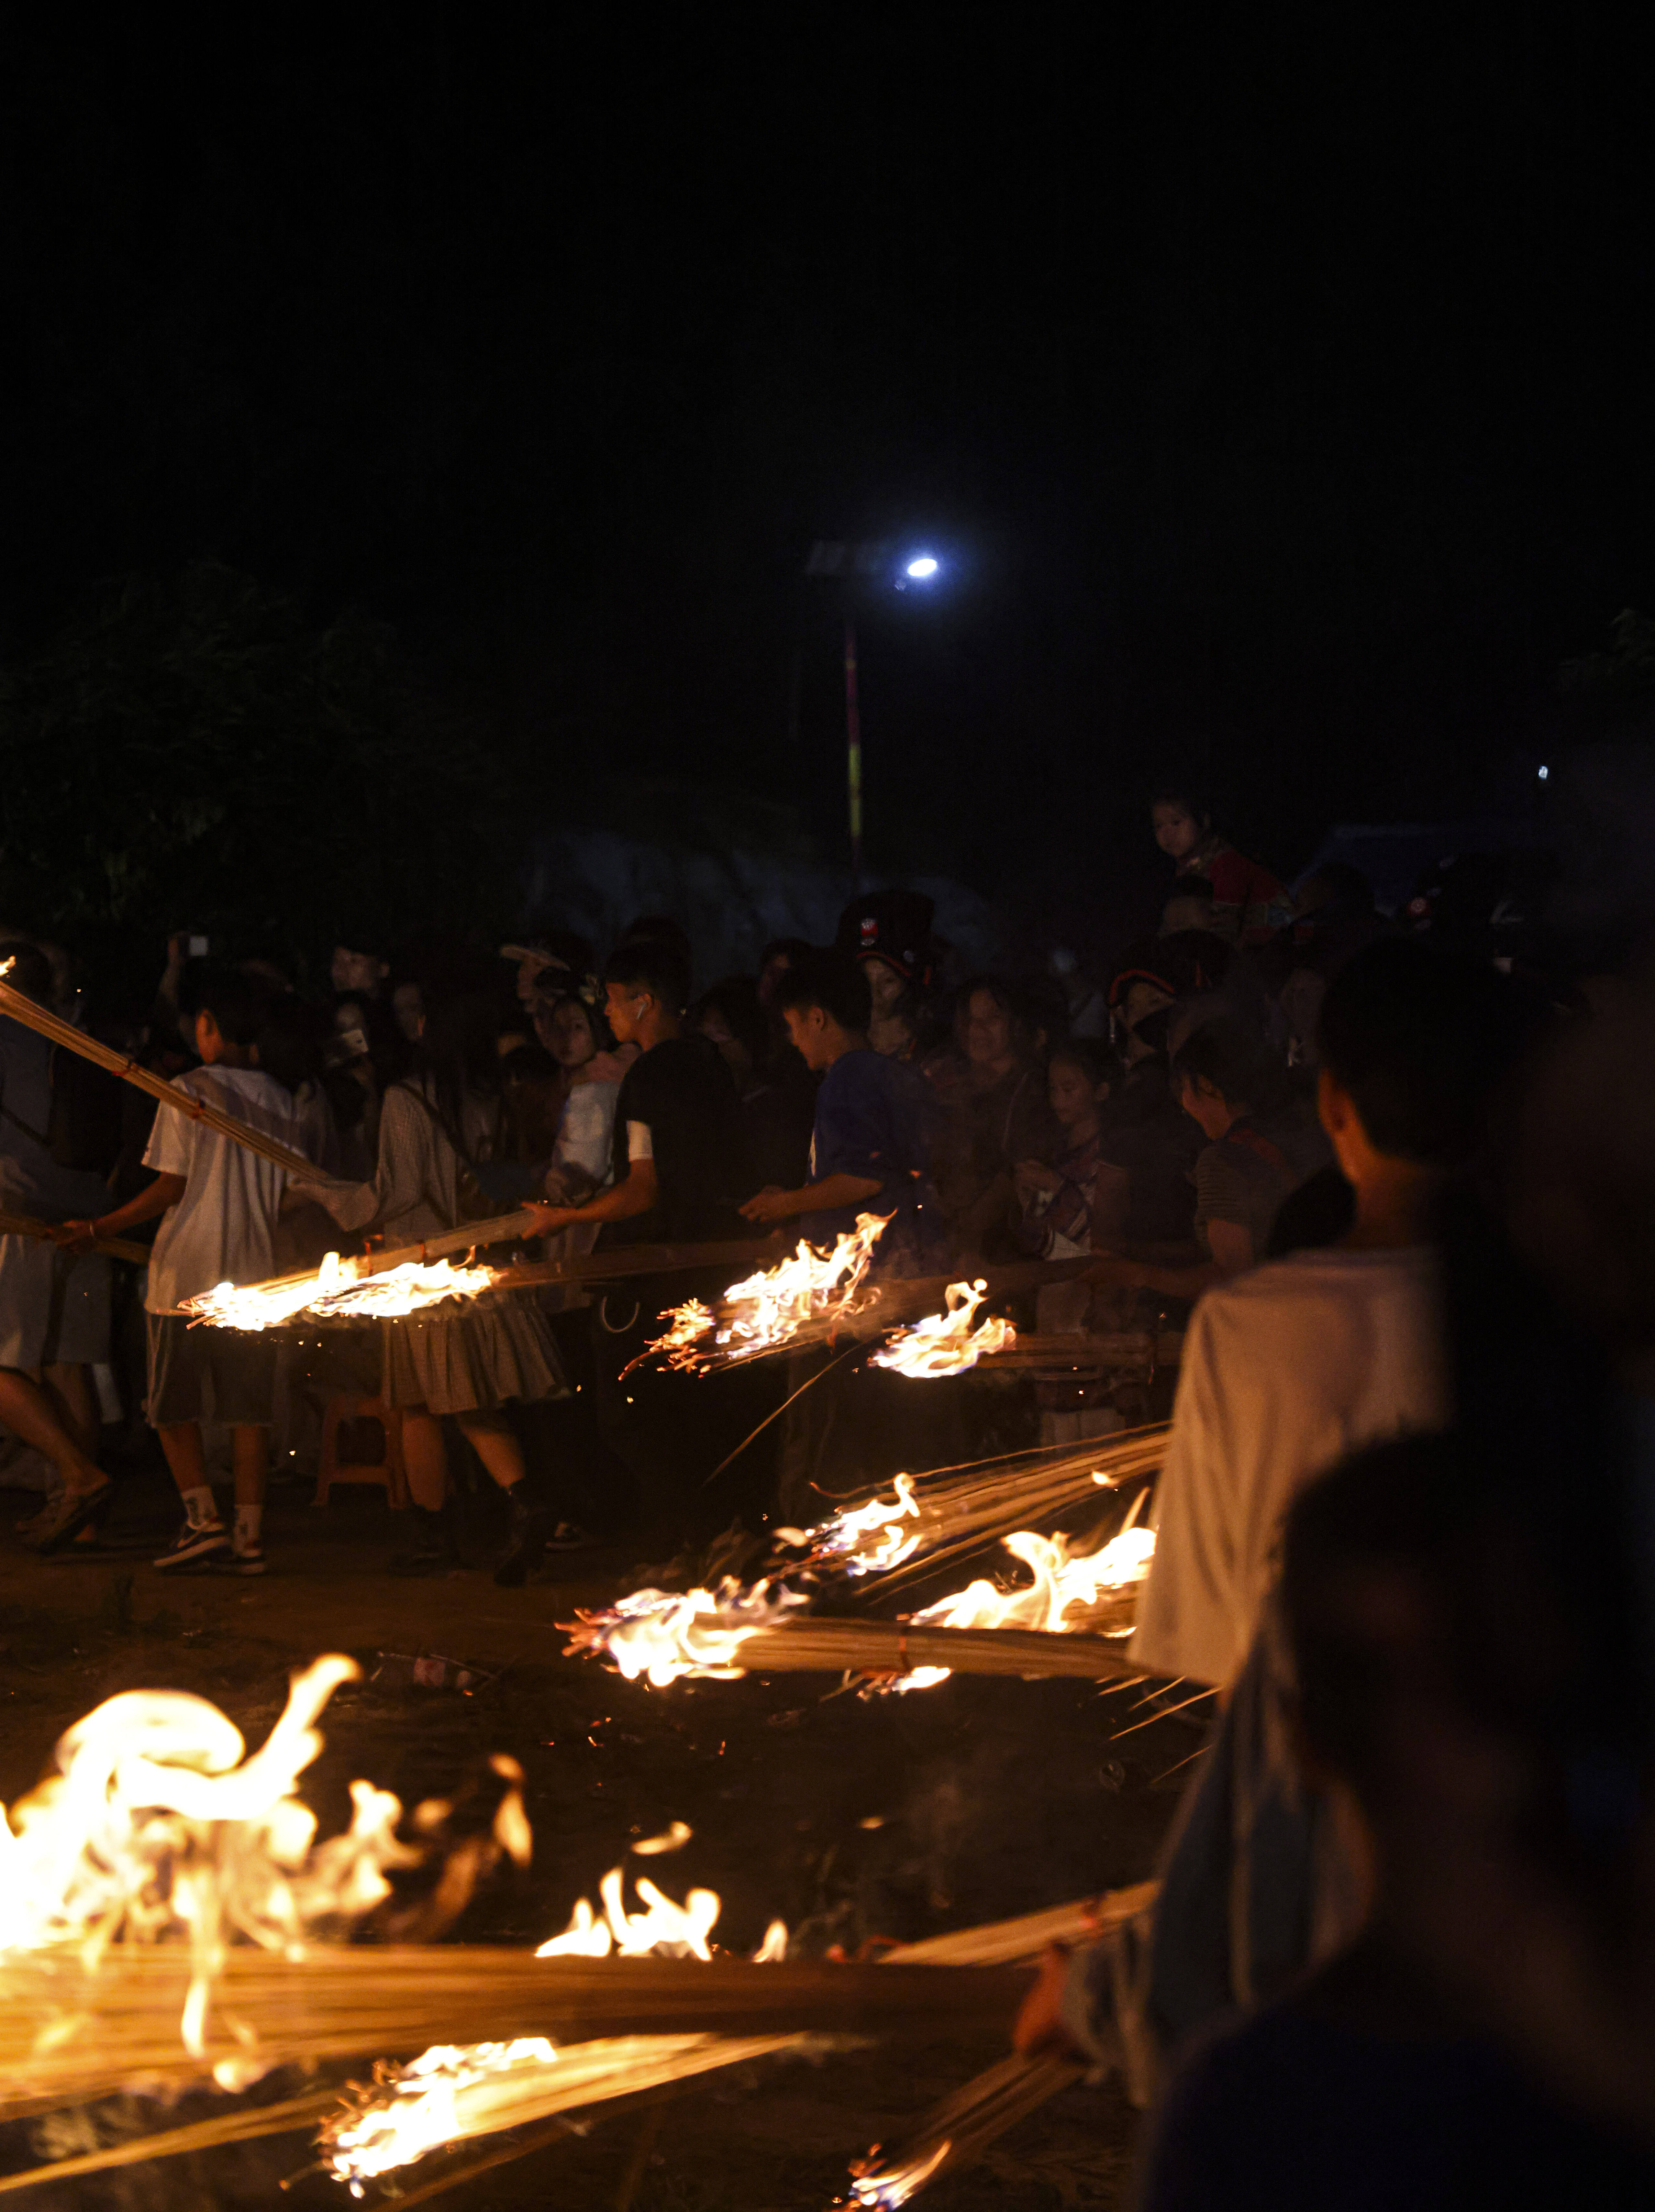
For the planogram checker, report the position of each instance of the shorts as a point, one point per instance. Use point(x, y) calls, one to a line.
point(207, 1374)
point(54, 1305)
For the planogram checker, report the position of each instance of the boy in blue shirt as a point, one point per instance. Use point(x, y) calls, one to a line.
point(870, 1146)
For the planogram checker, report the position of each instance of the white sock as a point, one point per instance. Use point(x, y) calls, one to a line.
point(200, 1509)
point(249, 1520)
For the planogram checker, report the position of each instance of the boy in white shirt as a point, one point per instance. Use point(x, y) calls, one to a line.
point(1286, 1371)
point(220, 1203)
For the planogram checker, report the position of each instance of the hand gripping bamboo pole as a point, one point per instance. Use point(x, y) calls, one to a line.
point(45, 1232)
point(959, 2127)
point(47, 1024)
point(996, 1943)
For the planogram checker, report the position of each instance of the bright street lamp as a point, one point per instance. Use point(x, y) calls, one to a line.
point(872, 559)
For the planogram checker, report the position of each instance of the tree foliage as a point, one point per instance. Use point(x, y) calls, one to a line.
point(1626, 671)
point(196, 753)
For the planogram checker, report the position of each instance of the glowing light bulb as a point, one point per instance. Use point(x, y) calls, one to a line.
point(922, 566)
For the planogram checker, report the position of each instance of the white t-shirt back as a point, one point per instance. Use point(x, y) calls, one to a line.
point(1286, 1371)
point(223, 1228)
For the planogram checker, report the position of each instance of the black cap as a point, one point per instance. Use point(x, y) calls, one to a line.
point(894, 927)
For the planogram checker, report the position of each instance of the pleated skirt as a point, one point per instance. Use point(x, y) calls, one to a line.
point(472, 1356)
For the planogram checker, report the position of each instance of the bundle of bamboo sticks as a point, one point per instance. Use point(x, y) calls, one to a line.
point(806, 1645)
point(950, 1512)
point(487, 2091)
point(606, 2069)
point(460, 2094)
point(68, 2033)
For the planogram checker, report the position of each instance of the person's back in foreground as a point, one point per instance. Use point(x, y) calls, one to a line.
point(1286, 1371)
point(1374, 2084)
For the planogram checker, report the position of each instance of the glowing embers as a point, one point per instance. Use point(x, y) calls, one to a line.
point(337, 1292)
point(774, 1310)
point(159, 1830)
point(664, 1638)
point(946, 1343)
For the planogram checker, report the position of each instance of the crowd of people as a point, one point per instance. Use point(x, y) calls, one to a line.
point(1375, 1198)
point(1156, 1115)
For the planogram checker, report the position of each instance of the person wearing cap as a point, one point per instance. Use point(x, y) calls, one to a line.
point(888, 934)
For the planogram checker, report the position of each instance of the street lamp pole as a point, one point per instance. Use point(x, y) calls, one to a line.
point(833, 557)
point(853, 753)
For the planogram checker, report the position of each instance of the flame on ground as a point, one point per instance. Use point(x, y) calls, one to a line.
point(158, 1828)
point(335, 1291)
point(946, 1343)
point(664, 1638)
point(766, 1311)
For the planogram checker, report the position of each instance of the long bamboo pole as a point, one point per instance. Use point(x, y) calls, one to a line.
point(993, 1943)
point(45, 1023)
point(809, 1645)
point(122, 2020)
point(24, 1224)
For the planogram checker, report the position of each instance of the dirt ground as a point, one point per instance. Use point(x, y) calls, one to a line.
point(845, 1817)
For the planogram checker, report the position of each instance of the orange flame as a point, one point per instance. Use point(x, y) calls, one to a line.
point(1066, 1593)
point(946, 1343)
point(865, 1540)
point(767, 1311)
point(664, 1637)
point(337, 1292)
point(456, 2090)
point(158, 1828)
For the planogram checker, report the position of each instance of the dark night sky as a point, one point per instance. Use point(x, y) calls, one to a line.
point(1281, 399)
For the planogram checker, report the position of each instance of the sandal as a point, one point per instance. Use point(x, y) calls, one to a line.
point(74, 1510)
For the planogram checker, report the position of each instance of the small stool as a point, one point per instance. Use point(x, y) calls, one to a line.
point(390, 1474)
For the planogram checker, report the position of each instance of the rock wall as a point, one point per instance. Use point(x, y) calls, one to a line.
point(732, 900)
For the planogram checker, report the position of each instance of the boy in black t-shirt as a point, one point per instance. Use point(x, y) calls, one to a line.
point(680, 1172)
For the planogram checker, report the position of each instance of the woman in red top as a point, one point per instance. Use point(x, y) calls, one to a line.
point(1248, 904)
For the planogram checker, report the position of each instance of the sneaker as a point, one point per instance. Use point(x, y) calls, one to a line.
point(569, 1536)
point(244, 1559)
point(193, 1543)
